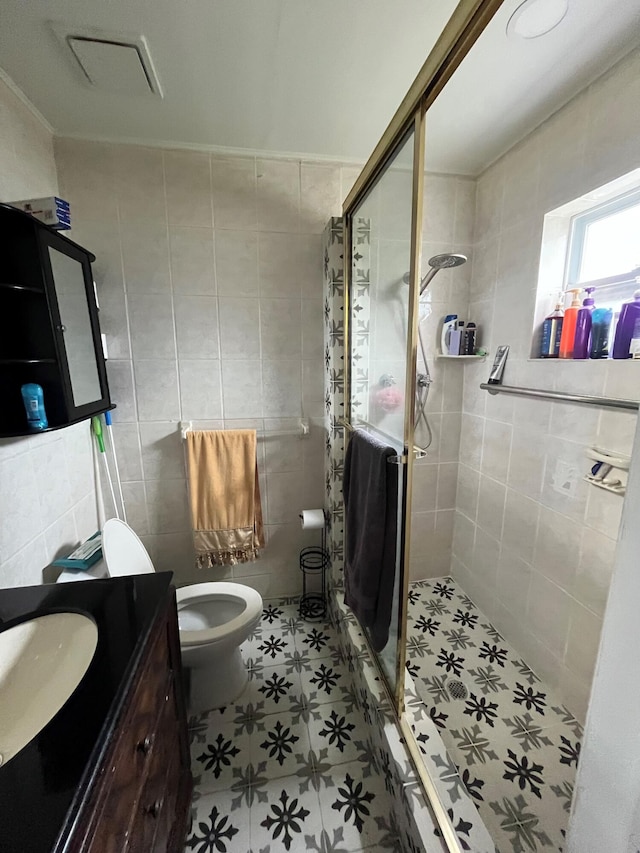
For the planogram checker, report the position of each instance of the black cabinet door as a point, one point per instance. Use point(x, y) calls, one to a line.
point(74, 316)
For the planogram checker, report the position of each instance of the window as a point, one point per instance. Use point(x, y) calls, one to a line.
point(604, 250)
point(591, 241)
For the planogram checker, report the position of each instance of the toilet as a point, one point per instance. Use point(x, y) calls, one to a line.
point(214, 619)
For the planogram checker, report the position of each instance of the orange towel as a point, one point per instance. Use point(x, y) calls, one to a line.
point(226, 513)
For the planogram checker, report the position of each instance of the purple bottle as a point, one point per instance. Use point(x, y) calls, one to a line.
point(624, 330)
point(582, 339)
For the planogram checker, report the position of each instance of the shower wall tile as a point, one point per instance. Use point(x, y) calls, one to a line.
point(157, 390)
point(278, 195)
point(148, 271)
point(127, 440)
point(234, 188)
point(237, 263)
point(139, 182)
point(239, 328)
point(187, 178)
point(556, 533)
point(162, 451)
point(196, 319)
point(192, 266)
point(242, 388)
point(200, 389)
point(152, 327)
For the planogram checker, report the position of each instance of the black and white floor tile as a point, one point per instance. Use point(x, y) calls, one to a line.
point(289, 765)
point(508, 740)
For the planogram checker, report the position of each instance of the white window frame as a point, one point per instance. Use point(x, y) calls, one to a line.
point(577, 236)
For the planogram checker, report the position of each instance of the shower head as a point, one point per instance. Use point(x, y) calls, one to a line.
point(438, 262)
point(442, 262)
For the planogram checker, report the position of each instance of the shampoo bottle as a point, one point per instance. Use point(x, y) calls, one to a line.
point(600, 330)
point(629, 314)
point(569, 325)
point(448, 326)
point(582, 340)
point(552, 332)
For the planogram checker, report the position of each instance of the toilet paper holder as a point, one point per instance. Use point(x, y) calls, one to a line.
point(314, 562)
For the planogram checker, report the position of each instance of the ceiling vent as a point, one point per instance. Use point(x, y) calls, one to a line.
point(113, 62)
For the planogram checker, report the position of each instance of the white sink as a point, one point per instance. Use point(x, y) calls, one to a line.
point(42, 661)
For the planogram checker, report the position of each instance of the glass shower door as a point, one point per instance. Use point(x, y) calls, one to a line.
point(379, 323)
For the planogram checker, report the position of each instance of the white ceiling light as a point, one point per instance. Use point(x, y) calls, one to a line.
point(535, 18)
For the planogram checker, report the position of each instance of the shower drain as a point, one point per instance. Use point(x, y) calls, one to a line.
point(457, 689)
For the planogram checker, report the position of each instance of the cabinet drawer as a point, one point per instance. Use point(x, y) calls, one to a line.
point(134, 753)
point(155, 811)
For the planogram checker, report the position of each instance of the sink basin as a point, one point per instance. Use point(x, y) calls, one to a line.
point(42, 661)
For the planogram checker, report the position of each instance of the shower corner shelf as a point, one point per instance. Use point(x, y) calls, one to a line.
point(442, 356)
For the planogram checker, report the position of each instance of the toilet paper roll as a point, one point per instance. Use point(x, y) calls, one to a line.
point(312, 519)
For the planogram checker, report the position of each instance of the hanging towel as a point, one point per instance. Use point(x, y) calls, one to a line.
point(371, 522)
point(226, 514)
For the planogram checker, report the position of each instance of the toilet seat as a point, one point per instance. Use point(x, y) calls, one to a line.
point(218, 590)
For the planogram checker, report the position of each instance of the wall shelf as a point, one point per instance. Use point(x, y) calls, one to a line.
point(25, 431)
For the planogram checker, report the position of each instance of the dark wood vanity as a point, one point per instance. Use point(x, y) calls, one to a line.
point(128, 720)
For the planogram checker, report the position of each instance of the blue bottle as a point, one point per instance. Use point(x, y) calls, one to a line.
point(33, 399)
point(600, 330)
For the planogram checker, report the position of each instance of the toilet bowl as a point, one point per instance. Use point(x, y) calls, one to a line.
point(214, 619)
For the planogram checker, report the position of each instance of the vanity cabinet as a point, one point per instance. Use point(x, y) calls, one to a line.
point(140, 798)
point(49, 329)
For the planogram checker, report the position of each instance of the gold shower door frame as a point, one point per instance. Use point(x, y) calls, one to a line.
point(466, 24)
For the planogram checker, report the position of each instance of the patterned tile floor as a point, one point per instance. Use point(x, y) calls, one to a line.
point(515, 746)
point(289, 766)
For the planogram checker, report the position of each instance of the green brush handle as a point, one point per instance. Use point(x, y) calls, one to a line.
point(96, 425)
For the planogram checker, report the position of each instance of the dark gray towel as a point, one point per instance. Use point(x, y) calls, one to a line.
point(371, 523)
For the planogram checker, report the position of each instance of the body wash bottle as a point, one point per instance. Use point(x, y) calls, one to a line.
point(629, 315)
point(569, 325)
point(582, 340)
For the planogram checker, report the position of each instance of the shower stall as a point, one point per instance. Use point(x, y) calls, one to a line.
point(504, 553)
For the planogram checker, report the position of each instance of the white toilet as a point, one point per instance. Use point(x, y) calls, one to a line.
point(214, 619)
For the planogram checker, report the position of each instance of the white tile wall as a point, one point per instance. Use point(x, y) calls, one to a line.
point(554, 551)
point(210, 269)
point(447, 227)
point(47, 497)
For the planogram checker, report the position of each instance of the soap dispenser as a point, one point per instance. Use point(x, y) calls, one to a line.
point(569, 325)
point(583, 326)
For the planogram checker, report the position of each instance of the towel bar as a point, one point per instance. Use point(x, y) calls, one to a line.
point(583, 399)
point(301, 432)
point(401, 459)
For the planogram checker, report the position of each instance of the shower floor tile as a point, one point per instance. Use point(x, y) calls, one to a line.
point(288, 766)
point(514, 745)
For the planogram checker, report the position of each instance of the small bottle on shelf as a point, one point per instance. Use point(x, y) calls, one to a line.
point(552, 332)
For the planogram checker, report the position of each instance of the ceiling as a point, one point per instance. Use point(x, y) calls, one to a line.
point(319, 78)
point(315, 77)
